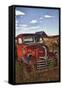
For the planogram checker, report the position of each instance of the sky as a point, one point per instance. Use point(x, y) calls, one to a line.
point(31, 20)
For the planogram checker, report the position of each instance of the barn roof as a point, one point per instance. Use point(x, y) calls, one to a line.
point(42, 34)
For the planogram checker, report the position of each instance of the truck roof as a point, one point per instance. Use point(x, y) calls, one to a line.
point(22, 35)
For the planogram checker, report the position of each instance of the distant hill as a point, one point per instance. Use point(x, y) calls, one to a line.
point(54, 36)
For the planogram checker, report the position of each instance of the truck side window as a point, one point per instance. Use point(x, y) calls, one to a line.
point(37, 39)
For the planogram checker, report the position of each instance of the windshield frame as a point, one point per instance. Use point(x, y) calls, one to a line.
point(27, 42)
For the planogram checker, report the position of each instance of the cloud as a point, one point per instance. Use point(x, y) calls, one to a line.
point(33, 21)
point(48, 16)
point(26, 27)
point(18, 13)
point(33, 27)
point(41, 18)
point(23, 25)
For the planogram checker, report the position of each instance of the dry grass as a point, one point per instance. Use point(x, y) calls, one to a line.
point(22, 75)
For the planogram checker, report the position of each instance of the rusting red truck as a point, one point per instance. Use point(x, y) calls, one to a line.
point(31, 50)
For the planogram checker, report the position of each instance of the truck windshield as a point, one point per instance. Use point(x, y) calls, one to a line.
point(28, 39)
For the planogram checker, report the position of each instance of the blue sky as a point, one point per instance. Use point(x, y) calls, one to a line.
point(31, 20)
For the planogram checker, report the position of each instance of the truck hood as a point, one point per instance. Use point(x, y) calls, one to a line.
point(34, 45)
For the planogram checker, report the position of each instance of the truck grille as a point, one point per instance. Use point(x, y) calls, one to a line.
point(41, 64)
